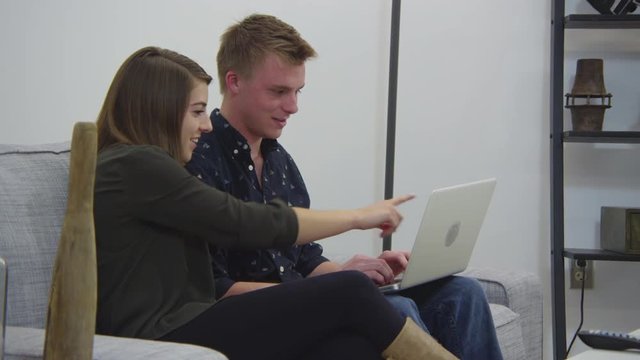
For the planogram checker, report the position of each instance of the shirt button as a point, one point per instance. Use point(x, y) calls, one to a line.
point(281, 269)
point(235, 151)
point(250, 167)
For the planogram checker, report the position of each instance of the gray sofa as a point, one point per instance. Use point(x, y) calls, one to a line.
point(33, 188)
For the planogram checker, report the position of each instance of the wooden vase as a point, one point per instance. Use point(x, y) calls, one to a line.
point(71, 316)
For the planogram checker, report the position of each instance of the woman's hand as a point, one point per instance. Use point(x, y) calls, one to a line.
point(382, 214)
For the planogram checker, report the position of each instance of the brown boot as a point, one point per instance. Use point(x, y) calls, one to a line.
point(412, 343)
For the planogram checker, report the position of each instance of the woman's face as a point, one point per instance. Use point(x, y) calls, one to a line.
point(196, 120)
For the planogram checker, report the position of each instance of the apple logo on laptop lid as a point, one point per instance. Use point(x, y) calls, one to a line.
point(452, 234)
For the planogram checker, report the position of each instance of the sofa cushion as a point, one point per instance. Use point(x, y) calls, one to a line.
point(509, 332)
point(33, 189)
point(27, 344)
point(522, 293)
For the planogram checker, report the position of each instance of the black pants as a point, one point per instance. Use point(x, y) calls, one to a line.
point(335, 316)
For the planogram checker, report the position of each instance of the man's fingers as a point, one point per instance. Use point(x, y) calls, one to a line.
point(382, 269)
point(376, 269)
point(375, 277)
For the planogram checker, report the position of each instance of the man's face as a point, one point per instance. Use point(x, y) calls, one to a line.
point(267, 99)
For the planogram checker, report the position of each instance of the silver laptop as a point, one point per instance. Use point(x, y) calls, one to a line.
point(447, 234)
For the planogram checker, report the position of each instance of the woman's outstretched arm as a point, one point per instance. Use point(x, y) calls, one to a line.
point(318, 224)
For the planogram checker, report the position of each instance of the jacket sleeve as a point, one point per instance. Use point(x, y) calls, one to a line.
point(161, 191)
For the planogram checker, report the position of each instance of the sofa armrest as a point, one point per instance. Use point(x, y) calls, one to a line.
point(522, 293)
point(28, 343)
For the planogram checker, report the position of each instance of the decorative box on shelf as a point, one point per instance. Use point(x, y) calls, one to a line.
point(620, 229)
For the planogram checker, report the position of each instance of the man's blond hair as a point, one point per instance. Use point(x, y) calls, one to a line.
point(248, 42)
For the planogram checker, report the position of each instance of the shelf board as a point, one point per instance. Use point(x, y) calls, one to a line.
point(616, 137)
point(598, 254)
point(577, 21)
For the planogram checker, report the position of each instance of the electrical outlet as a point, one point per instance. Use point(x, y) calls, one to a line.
point(578, 273)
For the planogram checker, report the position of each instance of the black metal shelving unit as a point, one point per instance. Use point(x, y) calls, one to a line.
point(559, 137)
point(577, 21)
point(598, 254)
point(610, 137)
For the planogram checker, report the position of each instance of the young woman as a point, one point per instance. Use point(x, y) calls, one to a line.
point(156, 227)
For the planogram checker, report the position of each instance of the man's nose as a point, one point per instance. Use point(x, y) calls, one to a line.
point(291, 104)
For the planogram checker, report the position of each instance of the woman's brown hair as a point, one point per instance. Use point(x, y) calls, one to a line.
point(147, 100)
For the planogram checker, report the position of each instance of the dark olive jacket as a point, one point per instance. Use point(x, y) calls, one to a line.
point(156, 226)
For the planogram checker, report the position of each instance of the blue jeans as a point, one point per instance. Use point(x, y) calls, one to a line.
point(407, 308)
point(456, 313)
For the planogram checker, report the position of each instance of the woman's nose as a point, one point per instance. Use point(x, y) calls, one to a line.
point(206, 126)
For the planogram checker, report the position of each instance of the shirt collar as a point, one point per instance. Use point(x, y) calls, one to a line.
point(233, 138)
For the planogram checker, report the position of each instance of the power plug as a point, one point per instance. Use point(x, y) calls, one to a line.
point(578, 273)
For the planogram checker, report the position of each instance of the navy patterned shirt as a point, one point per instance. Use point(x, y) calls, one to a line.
point(223, 159)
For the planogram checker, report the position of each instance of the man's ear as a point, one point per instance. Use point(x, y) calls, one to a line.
point(232, 81)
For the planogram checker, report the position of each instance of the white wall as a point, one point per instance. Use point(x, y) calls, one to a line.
point(473, 103)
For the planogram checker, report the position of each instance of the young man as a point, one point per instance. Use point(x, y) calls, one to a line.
point(261, 69)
